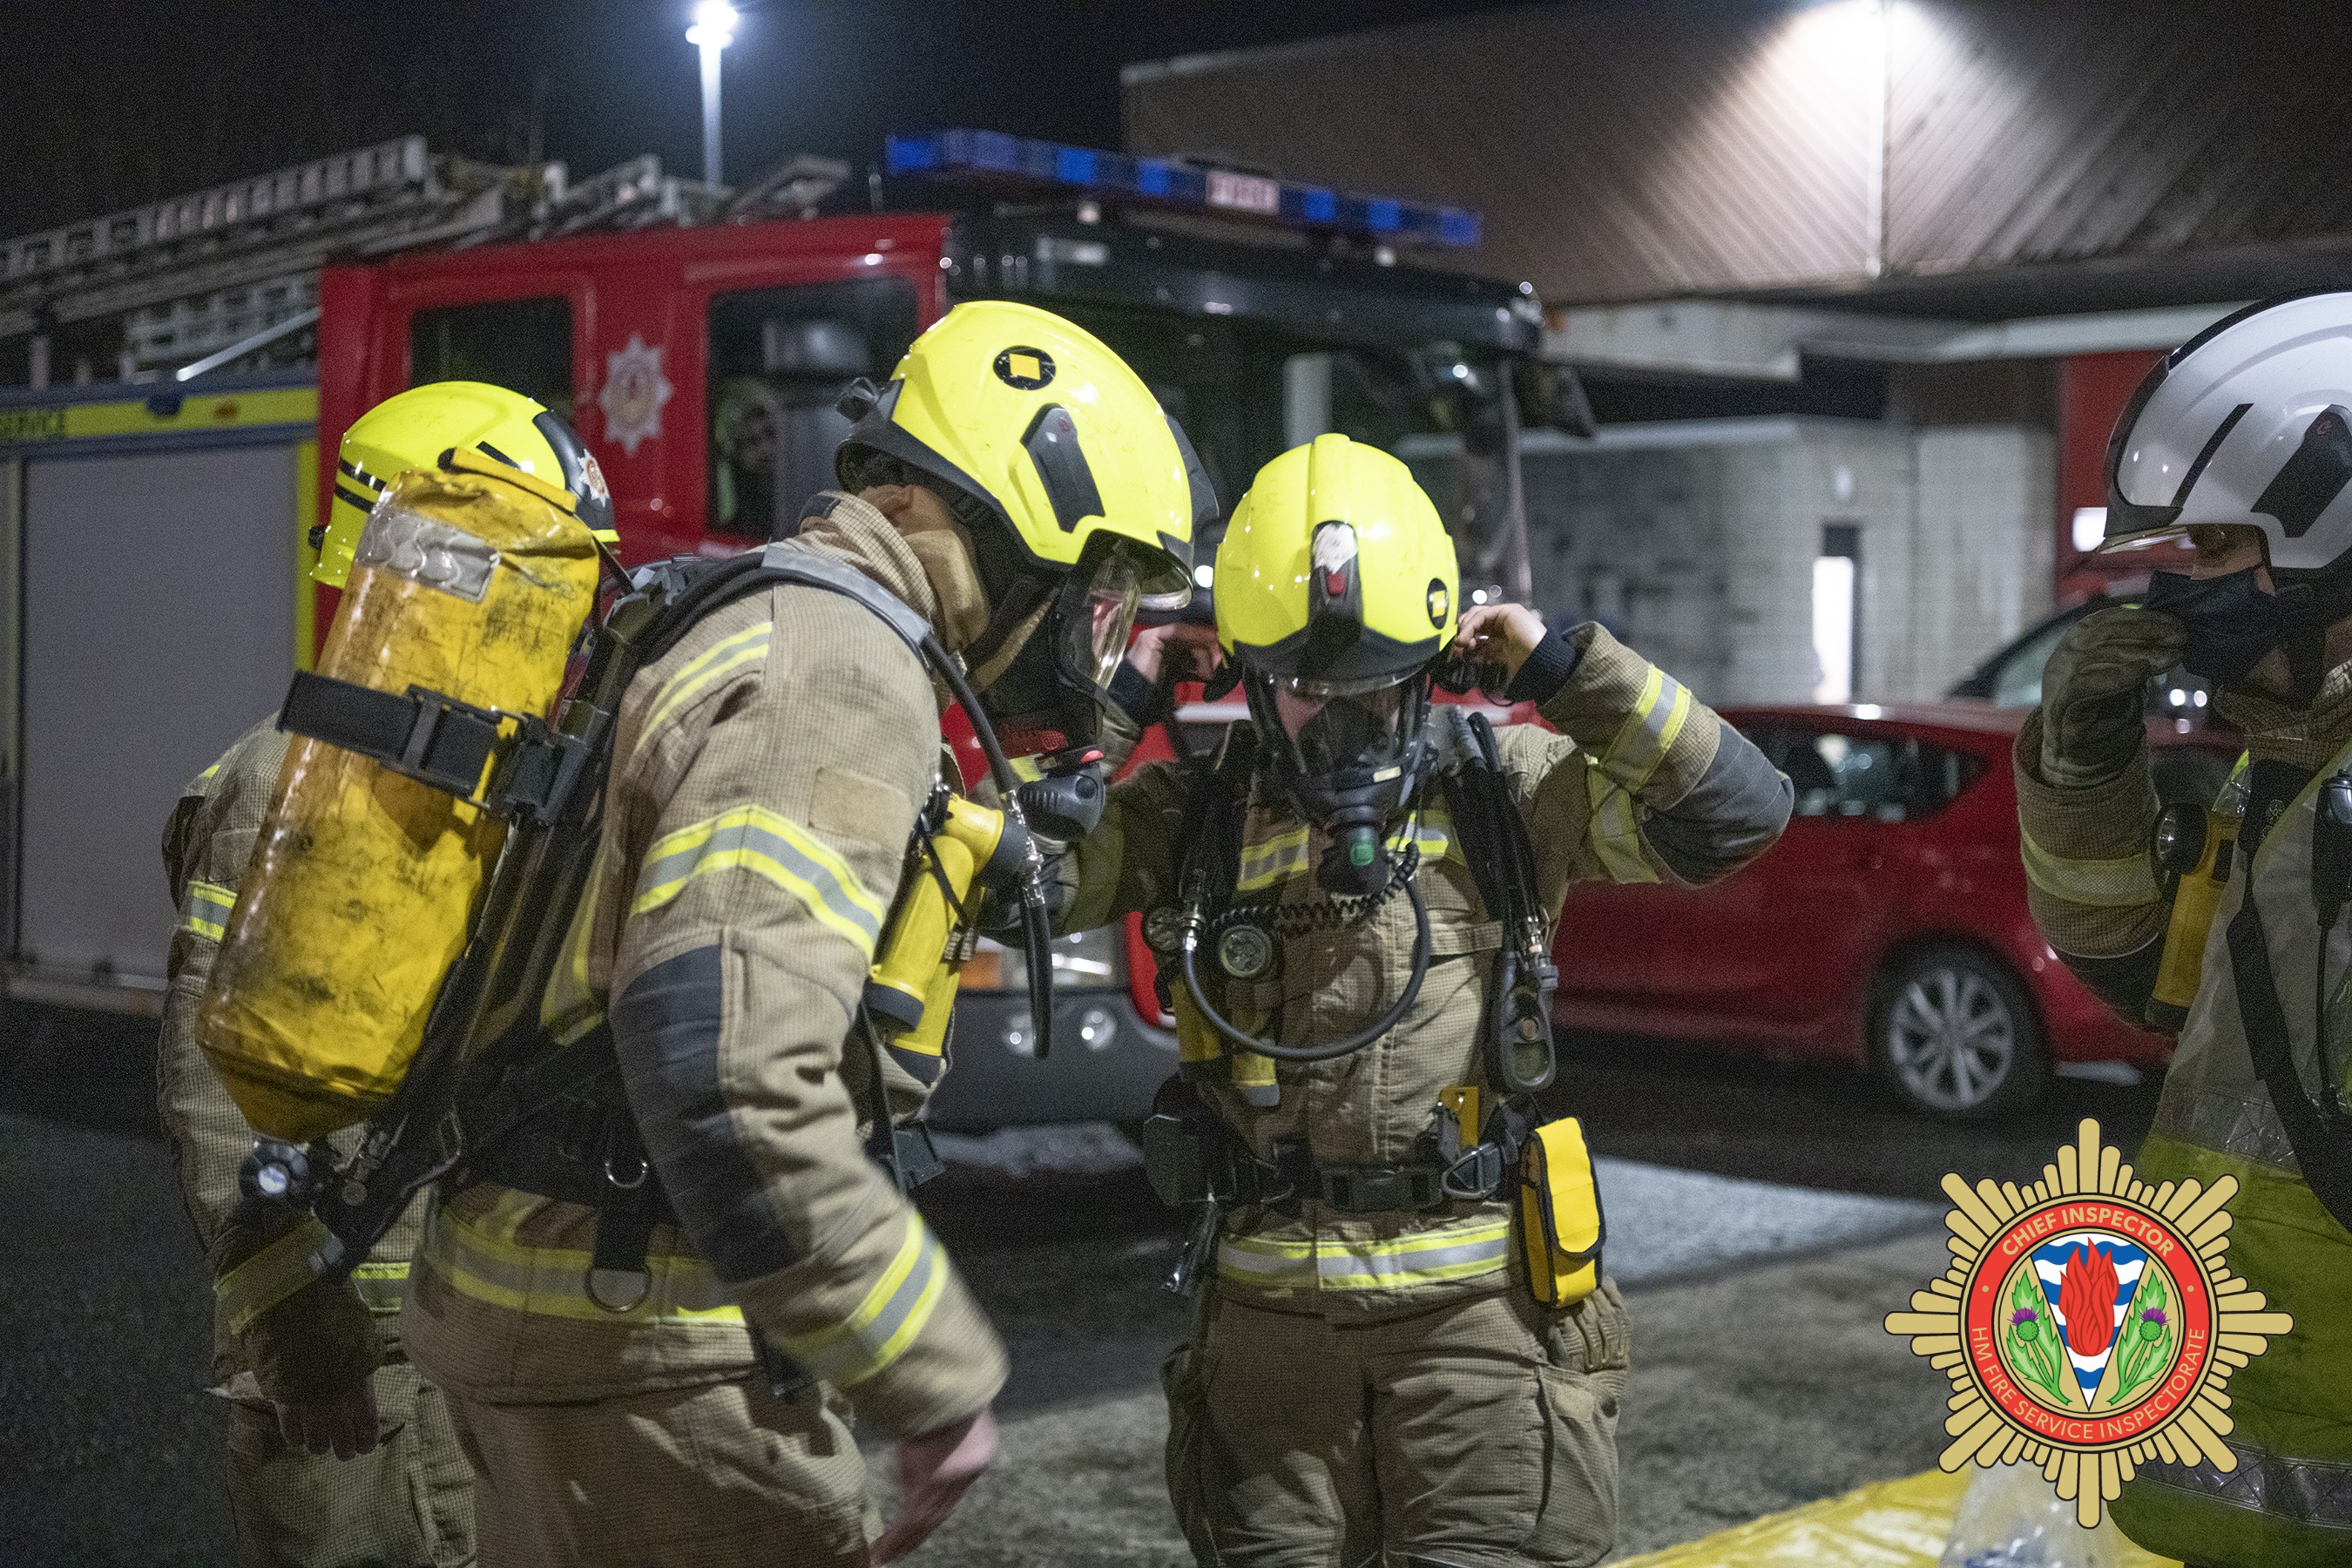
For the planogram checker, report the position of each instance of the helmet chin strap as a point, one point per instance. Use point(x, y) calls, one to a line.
point(2310, 609)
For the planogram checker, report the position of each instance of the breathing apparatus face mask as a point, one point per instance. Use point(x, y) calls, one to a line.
point(2234, 625)
point(1050, 697)
point(1348, 758)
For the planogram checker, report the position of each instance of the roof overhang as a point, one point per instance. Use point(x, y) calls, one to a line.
point(1751, 342)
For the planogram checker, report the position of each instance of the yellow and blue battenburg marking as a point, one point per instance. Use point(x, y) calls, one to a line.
point(768, 844)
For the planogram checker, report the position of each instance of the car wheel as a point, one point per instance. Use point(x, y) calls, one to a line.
point(1954, 1035)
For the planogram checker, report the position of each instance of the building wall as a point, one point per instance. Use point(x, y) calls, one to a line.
point(1697, 545)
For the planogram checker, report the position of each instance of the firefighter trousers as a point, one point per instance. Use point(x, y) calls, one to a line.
point(711, 1475)
point(1482, 1432)
point(405, 1505)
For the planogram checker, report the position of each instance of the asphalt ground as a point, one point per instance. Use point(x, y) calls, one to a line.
point(1763, 1219)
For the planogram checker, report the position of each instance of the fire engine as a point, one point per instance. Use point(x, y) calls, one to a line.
point(154, 529)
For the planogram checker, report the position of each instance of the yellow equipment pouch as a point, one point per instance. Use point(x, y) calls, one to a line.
point(1562, 1227)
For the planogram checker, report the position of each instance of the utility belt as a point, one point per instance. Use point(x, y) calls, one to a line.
point(1237, 1176)
point(1194, 1161)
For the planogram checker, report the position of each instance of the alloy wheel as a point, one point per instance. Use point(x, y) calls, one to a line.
point(1951, 1039)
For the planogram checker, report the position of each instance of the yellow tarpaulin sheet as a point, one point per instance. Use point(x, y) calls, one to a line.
point(1893, 1524)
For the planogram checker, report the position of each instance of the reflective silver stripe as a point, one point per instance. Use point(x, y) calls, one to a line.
point(1642, 742)
point(1425, 1259)
point(482, 1258)
point(1339, 1263)
point(886, 1323)
point(1272, 860)
point(759, 840)
point(206, 908)
point(2313, 1493)
point(2124, 883)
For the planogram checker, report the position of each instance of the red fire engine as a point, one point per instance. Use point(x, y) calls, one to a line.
point(701, 361)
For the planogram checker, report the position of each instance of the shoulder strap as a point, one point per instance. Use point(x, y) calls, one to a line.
point(1214, 806)
point(2317, 1126)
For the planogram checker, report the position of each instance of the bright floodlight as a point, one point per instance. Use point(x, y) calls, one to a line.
point(713, 30)
point(714, 25)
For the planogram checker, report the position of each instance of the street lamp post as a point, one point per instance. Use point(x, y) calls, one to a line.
point(713, 30)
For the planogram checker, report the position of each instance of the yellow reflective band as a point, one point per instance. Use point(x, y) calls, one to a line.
point(760, 841)
point(206, 910)
point(2124, 883)
point(272, 1274)
point(1641, 743)
point(206, 777)
point(886, 1322)
point(1615, 830)
point(1283, 855)
point(481, 1259)
point(381, 1284)
point(707, 670)
point(1435, 1257)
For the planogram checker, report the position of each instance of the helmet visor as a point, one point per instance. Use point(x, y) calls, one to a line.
point(1097, 617)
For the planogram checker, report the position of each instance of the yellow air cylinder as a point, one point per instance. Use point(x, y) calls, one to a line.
point(471, 580)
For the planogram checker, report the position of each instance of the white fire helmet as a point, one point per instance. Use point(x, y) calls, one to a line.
point(2249, 424)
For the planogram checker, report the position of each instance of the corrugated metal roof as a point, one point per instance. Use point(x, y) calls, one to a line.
point(1616, 150)
point(1628, 151)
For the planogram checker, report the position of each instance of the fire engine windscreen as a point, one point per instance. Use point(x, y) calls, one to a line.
point(779, 359)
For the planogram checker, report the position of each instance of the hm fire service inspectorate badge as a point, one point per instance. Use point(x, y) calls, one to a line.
point(2087, 1323)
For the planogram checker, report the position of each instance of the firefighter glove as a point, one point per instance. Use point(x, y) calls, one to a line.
point(2094, 693)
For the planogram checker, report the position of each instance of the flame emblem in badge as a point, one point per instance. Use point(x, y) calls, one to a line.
point(2088, 1323)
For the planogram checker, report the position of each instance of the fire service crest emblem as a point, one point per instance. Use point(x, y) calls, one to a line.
point(2088, 1322)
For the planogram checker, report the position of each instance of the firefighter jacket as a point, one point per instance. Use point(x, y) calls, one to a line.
point(302, 1347)
point(2095, 895)
point(1642, 784)
point(765, 777)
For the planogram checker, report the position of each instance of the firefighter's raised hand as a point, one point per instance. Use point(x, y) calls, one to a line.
point(935, 1469)
point(1501, 634)
point(1191, 650)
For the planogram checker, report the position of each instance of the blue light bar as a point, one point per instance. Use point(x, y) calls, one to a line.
point(993, 158)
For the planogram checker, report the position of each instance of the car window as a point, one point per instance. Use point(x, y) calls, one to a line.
point(779, 360)
point(1880, 776)
point(523, 345)
point(2018, 682)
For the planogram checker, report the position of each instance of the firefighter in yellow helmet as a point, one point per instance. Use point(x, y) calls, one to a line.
point(1396, 1359)
point(339, 1451)
point(656, 1316)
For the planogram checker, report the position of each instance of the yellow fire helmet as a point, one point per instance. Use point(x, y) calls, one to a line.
point(1040, 421)
point(410, 430)
point(1336, 575)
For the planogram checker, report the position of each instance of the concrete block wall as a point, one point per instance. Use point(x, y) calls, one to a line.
point(1696, 544)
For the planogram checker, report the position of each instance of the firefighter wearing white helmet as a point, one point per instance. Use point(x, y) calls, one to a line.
point(1399, 1358)
point(2239, 443)
point(596, 1306)
point(339, 1451)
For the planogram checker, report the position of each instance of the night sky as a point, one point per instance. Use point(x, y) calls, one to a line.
point(109, 105)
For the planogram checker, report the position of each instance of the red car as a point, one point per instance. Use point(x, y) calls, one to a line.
point(1889, 924)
